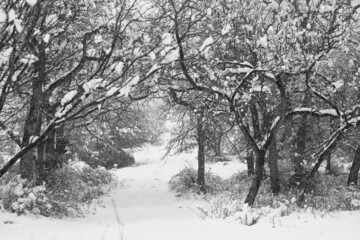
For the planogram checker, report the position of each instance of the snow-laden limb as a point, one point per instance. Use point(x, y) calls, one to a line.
point(314, 112)
point(33, 139)
point(272, 131)
point(260, 88)
point(246, 64)
point(328, 112)
point(5, 55)
point(270, 75)
point(225, 29)
point(63, 111)
point(354, 121)
point(29, 59)
point(112, 91)
point(46, 38)
point(152, 56)
point(170, 54)
point(118, 67)
point(92, 85)
point(263, 41)
point(338, 84)
point(2, 16)
point(68, 97)
point(153, 69)
point(206, 43)
point(31, 2)
point(274, 123)
point(166, 38)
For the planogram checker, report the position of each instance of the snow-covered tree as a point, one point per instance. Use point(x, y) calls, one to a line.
point(64, 59)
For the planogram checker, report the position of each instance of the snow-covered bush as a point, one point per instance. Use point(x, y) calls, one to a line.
point(326, 193)
point(185, 182)
point(100, 154)
point(229, 207)
point(67, 193)
point(220, 206)
point(331, 193)
point(75, 185)
point(20, 198)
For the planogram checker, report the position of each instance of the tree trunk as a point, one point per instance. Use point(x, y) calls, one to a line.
point(201, 151)
point(355, 167)
point(274, 170)
point(32, 127)
point(217, 146)
point(328, 163)
point(300, 142)
point(250, 162)
point(256, 182)
point(40, 164)
point(250, 159)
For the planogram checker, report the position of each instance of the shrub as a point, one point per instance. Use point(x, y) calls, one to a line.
point(220, 206)
point(326, 192)
point(185, 182)
point(68, 192)
point(20, 198)
point(331, 193)
point(102, 155)
point(77, 184)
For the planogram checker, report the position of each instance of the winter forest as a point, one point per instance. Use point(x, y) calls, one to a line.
point(179, 119)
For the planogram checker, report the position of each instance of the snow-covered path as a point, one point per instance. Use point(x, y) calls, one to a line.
point(144, 209)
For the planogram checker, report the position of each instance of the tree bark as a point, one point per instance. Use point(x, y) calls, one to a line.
point(256, 182)
point(300, 142)
point(32, 127)
point(250, 162)
point(355, 167)
point(250, 159)
point(328, 163)
point(274, 170)
point(201, 151)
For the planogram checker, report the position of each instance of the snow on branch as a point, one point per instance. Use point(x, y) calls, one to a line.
point(314, 112)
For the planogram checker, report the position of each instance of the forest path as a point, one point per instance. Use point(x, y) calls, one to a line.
point(149, 211)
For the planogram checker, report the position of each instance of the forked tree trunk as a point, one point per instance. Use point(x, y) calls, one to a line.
point(355, 167)
point(256, 182)
point(274, 170)
point(201, 151)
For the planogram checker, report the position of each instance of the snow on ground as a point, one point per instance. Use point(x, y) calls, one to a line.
point(144, 209)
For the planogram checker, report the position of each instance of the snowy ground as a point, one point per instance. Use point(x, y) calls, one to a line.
point(144, 209)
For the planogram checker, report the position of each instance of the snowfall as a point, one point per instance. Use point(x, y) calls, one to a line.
point(142, 207)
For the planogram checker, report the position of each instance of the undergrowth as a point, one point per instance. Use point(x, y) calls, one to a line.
point(224, 197)
point(72, 190)
point(185, 182)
